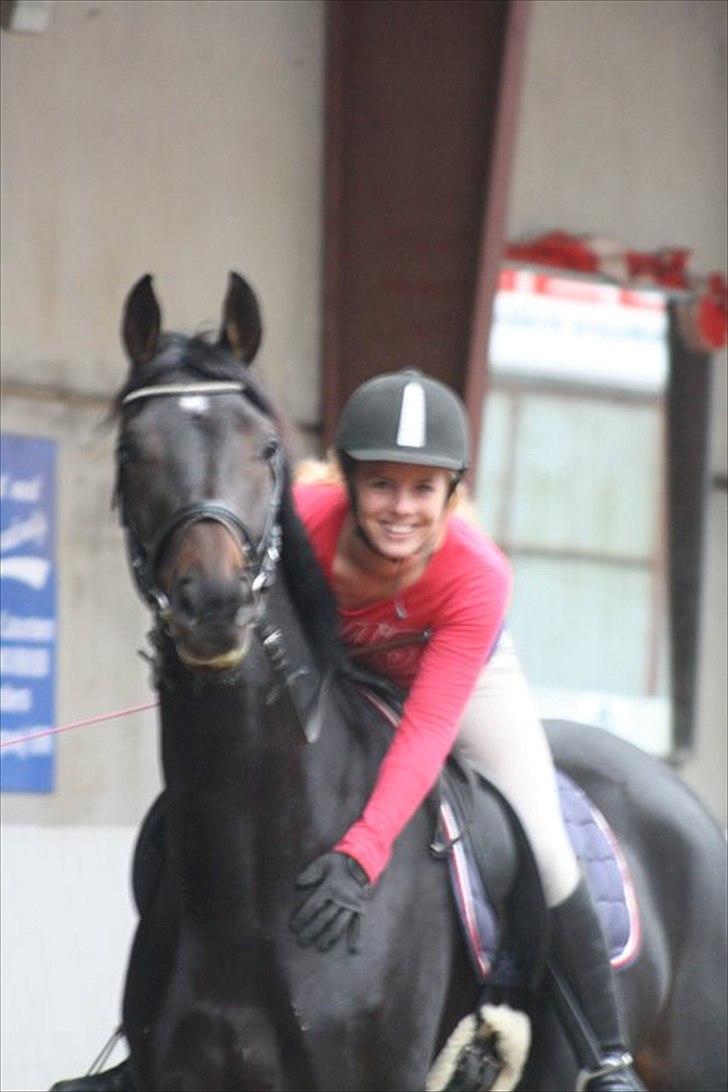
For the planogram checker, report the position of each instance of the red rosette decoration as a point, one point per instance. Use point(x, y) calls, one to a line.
point(705, 311)
point(556, 248)
point(666, 267)
point(712, 313)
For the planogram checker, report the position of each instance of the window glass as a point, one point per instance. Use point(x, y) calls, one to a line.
point(570, 482)
point(490, 490)
point(588, 475)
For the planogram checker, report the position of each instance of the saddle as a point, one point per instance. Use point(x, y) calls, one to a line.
point(507, 940)
point(516, 955)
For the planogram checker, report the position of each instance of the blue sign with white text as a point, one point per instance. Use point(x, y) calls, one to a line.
point(27, 611)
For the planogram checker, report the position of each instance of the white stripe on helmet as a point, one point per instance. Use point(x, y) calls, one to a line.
point(412, 418)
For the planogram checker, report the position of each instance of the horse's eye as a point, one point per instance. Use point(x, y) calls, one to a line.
point(125, 451)
point(270, 447)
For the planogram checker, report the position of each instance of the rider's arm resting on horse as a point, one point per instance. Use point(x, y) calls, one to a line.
point(465, 629)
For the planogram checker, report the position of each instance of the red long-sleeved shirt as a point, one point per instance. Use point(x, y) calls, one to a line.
point(462, 598)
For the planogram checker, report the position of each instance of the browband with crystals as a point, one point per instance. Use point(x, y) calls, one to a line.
point(184, 388)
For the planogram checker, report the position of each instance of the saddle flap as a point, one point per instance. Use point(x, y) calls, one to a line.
point(496, 883)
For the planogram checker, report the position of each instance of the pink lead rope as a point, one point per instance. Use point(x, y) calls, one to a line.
point(80, 723)
point(386, 646)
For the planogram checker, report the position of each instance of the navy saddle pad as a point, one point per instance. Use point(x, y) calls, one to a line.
point(604, 866)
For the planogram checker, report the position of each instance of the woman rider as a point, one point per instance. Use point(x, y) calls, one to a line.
point(400, 563)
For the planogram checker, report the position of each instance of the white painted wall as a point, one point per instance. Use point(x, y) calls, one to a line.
point(623, 129)
point(68, 921)
point(623, 135)
point(182, 138)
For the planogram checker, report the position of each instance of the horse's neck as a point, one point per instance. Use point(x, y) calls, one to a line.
point(238, 767)
point(225, 726)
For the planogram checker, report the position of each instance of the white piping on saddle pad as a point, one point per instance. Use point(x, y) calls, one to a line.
point(513, 1041)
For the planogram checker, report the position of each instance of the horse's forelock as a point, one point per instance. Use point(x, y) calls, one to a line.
point(205, 359)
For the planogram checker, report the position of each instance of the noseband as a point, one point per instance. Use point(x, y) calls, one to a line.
point(261, 557)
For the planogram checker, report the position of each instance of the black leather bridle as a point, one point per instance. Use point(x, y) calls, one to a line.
point(261, 557)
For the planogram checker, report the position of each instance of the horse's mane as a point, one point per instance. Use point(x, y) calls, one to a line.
point(311, 594)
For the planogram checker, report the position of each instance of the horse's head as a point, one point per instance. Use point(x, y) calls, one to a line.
point(199, 475)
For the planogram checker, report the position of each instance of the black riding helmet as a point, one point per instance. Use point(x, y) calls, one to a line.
point(404, 417)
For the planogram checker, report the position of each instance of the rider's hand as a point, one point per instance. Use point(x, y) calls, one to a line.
point(335, 905)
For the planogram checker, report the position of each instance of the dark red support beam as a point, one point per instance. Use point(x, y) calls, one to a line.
point(421, 96)
point(494, 222)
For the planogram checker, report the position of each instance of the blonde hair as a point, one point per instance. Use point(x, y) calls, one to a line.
point(319, 471)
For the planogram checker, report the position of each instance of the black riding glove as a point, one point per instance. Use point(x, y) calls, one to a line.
point(340, 889)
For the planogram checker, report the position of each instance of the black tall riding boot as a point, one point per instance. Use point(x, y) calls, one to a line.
point(580, 962)
point(117, 1079)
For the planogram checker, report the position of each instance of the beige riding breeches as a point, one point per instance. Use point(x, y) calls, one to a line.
point(502, 735)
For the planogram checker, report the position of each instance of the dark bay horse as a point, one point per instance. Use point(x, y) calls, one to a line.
point(269, 753)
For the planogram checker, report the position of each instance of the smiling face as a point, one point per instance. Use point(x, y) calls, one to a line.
point(401, 508)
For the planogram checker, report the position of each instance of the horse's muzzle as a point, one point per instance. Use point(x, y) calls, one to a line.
point(210, 621)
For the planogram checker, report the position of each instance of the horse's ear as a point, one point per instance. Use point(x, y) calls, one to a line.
point(141, 323)
point(242, 328)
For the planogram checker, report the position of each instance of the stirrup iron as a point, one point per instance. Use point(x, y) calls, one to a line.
point(613, 1064)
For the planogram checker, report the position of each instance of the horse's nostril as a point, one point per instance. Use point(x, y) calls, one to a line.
point(186, 598)
point(198, 599)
